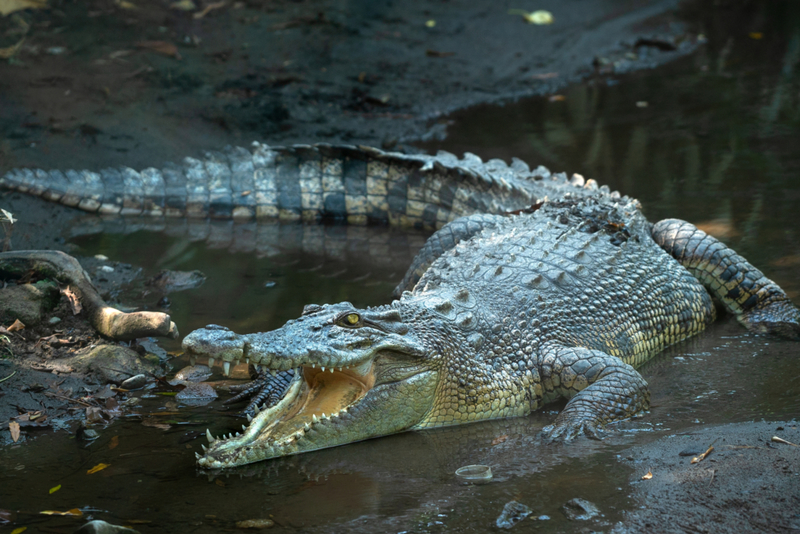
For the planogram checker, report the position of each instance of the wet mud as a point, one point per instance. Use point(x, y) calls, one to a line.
point(96, 84)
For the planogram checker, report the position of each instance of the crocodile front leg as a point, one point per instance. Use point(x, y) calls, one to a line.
point(601, 388)
point(264, 391)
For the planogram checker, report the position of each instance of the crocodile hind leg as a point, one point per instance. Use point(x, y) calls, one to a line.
point(757, 302)
point(601, 388)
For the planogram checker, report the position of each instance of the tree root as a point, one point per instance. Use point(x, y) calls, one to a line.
point(108, 321)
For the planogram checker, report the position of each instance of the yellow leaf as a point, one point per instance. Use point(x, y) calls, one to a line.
point(113, 443)
point(74, 512)
point(19, 530)
point(9, 6)
point(53, 490)
point(18, 325)
point(756, 35)
point(648, 476)
point(535, 17)
point(13, 426)
point(98, 467)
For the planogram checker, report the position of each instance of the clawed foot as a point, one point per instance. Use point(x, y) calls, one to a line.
point(264, 391)
point(562, 431)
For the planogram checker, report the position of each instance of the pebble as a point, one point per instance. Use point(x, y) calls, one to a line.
point(101, 257)
point(255, 523)
point(107, 269)
point(54, 320)
point(134, 382)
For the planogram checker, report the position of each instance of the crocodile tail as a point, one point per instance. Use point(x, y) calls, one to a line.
point(756, 301)
point(309, 183)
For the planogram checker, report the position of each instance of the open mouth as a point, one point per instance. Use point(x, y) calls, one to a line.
point(315, 399)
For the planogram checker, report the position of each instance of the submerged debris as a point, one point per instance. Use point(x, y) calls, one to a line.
point(580, 510)
point(513, 513)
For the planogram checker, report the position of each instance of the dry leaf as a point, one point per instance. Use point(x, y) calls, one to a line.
point(18, 325)
point(698, 459)
point(19, 530)
point(98, 467)
point(55, 489)
point(13, 426)
point(161, 47)
point(534, 17)
point(648, 476)
point(74, 301)
point(113, 443)
point(776, 439)
point(499, 439)
point(75, 512)
point(7, 216)
point(183, 5)
point(9, 6)
point(209, 8)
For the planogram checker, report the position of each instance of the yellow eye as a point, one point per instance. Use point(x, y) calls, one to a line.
point(352, 318)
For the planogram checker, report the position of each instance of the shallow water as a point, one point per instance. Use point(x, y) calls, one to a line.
point(716, 144)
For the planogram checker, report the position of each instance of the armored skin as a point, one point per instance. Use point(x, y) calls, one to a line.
point(534, 287)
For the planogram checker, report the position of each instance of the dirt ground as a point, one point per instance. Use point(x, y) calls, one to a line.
point(95, 84)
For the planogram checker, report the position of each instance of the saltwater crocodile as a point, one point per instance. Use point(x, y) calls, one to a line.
point(539, 288)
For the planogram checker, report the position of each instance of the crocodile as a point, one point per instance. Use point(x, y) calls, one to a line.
point(535, 287)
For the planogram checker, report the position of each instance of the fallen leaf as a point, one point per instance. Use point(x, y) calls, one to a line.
point(18, 325)
point(13, 426)
point(208, 9)
point(113, 443)
point(556, 98)
point(98, 467)
point(7, 216)
point(499, 439)
point(72, 298)
point(161, 47)
point(700, 458)
point(776, 439)
point(75, 512)
point(534, 17)
point(756, 35)
point(19, 530)
point(219, 483)
point(9, 6)
point(125, 4)
point(648, 476)
point(55, 489)
point(436, 53)
point(184, 5)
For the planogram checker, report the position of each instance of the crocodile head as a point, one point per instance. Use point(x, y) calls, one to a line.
point(358, 374)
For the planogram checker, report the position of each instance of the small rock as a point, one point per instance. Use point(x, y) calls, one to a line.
point(100, 257)
point(110, 363)
point(54, 320)
point(270, 283)
point(101, 527)
point(255, 523)
point(196, 394)
point(107, 269)
point(192, 373)
point(134, 382)
point(86, 434)
point(28, 302)
point(513, 513)
point(580, 510)
point(543, 518)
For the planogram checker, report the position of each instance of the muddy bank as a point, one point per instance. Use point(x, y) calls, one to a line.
point(748, 483)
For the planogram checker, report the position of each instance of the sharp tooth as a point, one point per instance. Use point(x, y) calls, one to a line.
point(226, 368)
point(211, 362)
point(256, 409)
point(307, 425)
point(192, 360)
point(323, 369)
point(314, 417)
point(247, 361)
point(313, 365)
point(324, 416)
point(343, 410)
point(197, 455)
point(249, 418)
point(237, 434)
point(211, 439)
point(331, 369)
point(203, 447)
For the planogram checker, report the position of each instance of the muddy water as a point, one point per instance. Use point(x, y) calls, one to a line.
point(712, 139)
